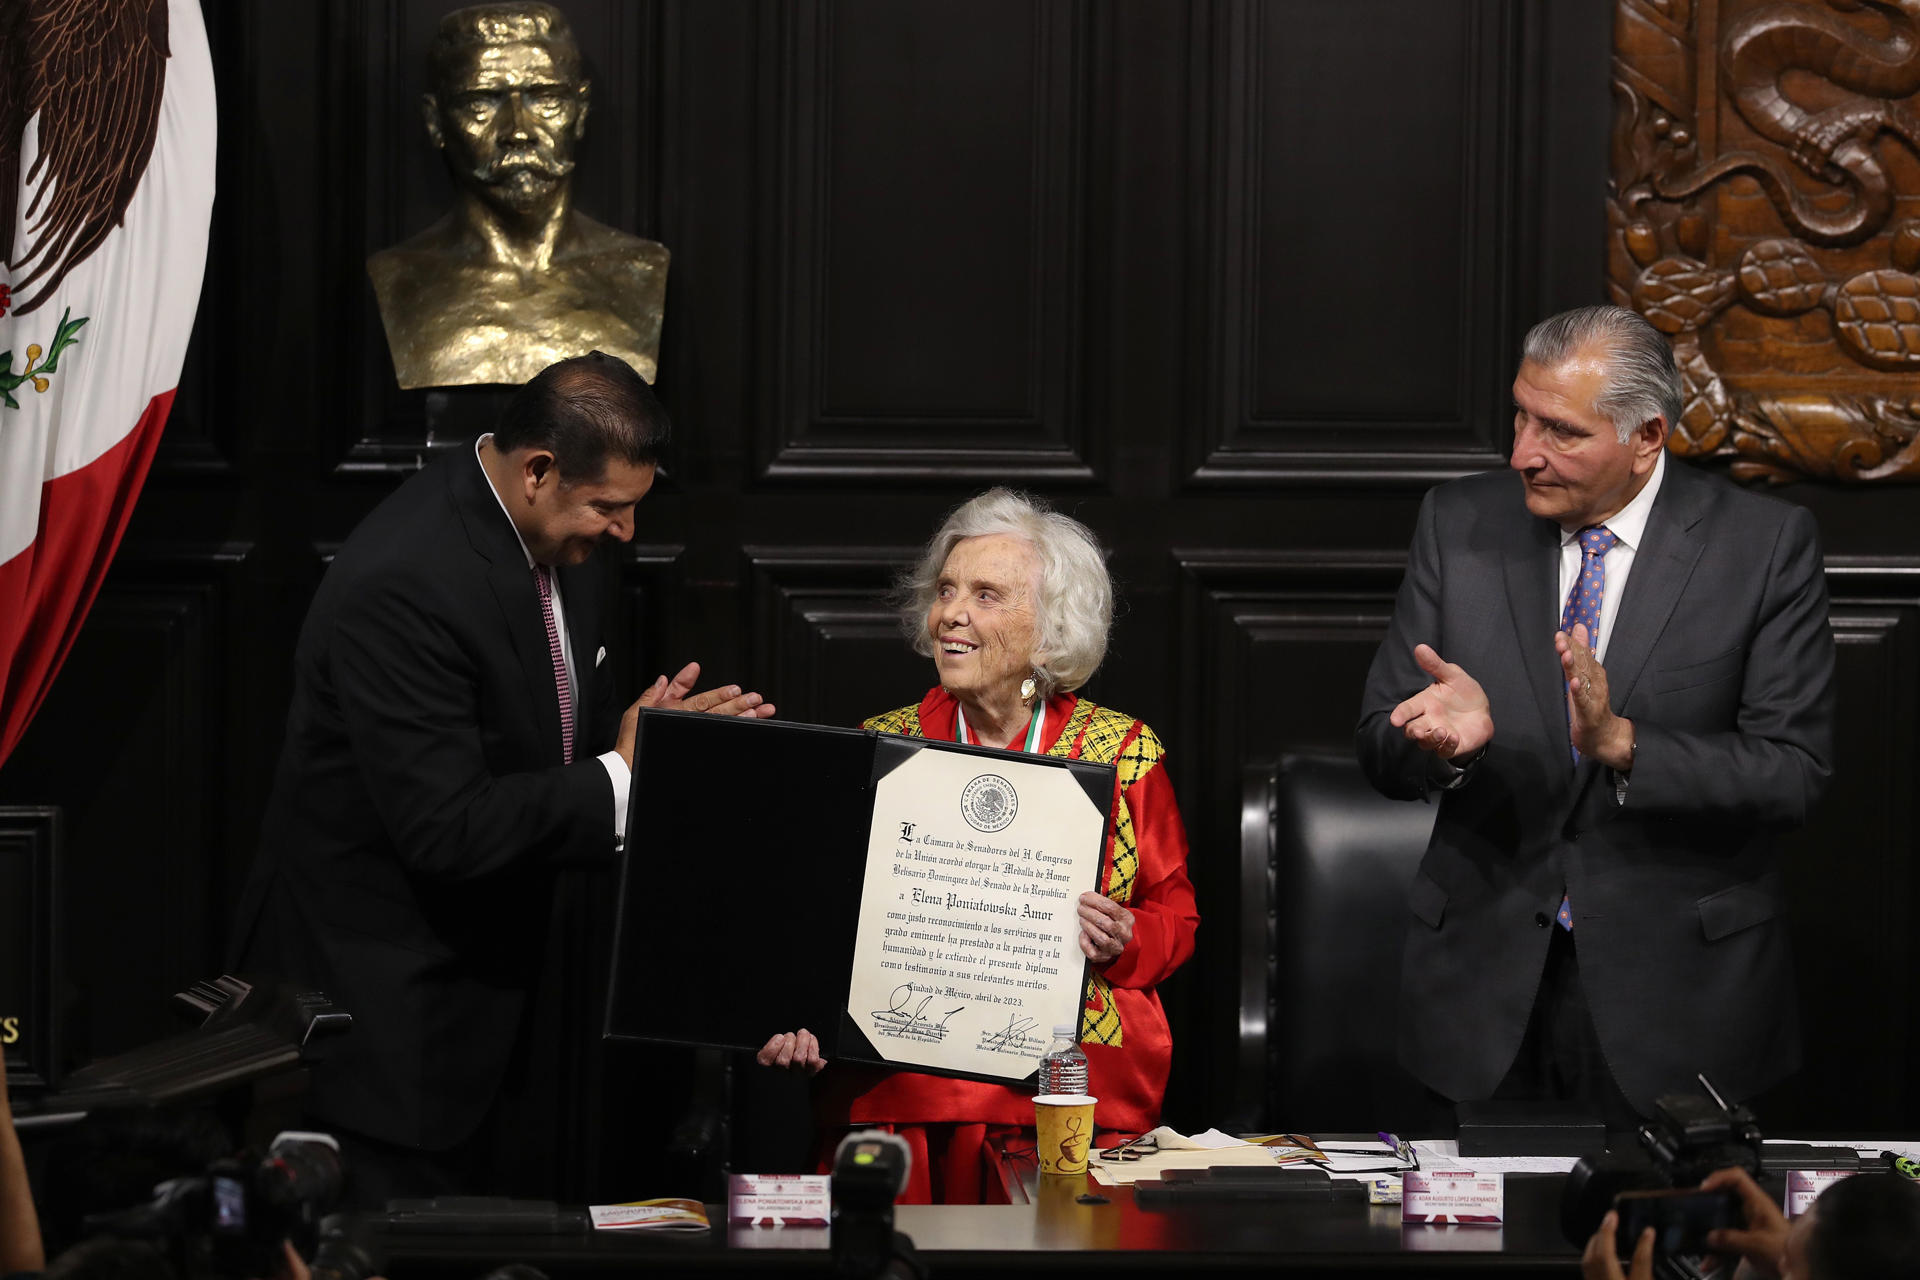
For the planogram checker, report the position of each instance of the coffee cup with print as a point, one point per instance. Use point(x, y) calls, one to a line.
point(1063, 1123)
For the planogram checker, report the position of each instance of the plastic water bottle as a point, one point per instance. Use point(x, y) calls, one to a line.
point(1063, 1068)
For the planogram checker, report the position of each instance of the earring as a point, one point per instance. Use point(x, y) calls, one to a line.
point(1027, 687)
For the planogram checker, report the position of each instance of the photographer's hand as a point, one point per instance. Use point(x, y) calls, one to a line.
point(1599, 1261)
point(20, 1247)
point(1765, 1236)
point(294, 1267)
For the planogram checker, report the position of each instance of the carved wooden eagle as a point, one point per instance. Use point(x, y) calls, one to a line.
point(94, 71)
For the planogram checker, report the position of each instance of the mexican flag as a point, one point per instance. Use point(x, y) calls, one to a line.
point(106, 188)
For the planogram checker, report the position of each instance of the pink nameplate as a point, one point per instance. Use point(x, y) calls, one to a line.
point(774, 1200)
point(1452, 1196)
point(1805, 1185)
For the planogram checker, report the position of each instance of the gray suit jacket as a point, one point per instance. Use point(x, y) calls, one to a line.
point(1722, 657)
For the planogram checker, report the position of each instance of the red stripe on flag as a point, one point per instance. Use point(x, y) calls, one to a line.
point(46, 590)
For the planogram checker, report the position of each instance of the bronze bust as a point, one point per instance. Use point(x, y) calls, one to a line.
point(512, 278)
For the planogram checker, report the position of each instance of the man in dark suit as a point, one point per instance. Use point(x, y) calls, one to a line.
point(1597, 916)
point(453, 738)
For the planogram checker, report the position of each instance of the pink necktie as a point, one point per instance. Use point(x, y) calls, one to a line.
point(544, 576)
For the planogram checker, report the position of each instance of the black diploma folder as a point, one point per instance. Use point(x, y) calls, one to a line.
point(740, 884)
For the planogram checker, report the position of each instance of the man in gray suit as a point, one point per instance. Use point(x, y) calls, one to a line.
point(1597, 916)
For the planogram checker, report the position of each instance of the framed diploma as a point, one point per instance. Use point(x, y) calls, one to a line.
point(912, 903)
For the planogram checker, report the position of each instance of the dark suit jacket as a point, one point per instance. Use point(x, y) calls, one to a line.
point(1722, 657)
point(421, 804)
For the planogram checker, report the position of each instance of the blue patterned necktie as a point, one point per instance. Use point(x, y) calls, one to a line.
point(1583, 602)
point(1583, 608)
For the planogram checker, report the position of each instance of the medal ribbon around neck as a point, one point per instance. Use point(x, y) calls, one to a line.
point(1035, 724)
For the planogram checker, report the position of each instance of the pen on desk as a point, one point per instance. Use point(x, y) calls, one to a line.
point(1906, 1166)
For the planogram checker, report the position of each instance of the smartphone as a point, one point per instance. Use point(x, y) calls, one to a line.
point(1680, 1219)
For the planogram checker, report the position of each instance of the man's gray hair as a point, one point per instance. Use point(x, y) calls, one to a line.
point(1642, 381)
point(1072, 600)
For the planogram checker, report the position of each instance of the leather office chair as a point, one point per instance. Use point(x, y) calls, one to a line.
point(1325, 862)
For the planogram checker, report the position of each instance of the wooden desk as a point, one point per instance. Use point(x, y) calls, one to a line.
point(1055, 1234)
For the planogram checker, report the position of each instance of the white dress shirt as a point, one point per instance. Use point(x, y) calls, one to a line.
point(617, 771)
point(1629, 528)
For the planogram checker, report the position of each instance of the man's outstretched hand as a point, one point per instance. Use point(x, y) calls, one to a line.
point(1450, 717)
point(677, 695)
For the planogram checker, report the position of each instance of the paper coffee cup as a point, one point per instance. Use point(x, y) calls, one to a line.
point(1063, 1123)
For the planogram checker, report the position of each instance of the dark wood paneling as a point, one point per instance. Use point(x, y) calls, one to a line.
point(130, 743)
point(1351, 301)
point(1851, 890)
point(825, 636)
point(31, 858)
point(1279, 644)
point(650, 578)
point(922, 226)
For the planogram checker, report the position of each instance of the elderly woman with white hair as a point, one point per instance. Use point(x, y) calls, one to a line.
point(1012, 601)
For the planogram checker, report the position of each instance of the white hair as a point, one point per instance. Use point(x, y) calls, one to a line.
point(1073, 598)
point(1642, 381)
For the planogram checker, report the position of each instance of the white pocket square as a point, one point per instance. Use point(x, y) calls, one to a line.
point(601, 656)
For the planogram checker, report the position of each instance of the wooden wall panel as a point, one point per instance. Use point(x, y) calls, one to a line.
point(1279, 647)
point(922, 227)
point(825, 636)
point(32, 855)
point(1344, 229)
point(650, 580)
point(133, 752)
point(1851, 889)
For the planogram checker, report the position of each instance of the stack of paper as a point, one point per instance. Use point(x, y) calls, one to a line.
point(1175, 1150)
point(656, 1215)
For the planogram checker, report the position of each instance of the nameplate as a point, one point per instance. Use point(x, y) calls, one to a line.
point(1458, 1197)
point(1805, 1185)
point(776, 1200)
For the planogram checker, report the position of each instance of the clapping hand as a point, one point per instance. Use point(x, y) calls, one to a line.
point(1596, 731)
point(677, 695)
point(1450, 717)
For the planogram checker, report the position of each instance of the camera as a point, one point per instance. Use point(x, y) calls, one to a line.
point(347, 1250)
point(231, 1219)
point(870, 1169)
point(1681, 1219)
point(1689, 1137)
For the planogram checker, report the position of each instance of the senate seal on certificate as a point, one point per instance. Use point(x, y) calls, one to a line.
point(989, 803)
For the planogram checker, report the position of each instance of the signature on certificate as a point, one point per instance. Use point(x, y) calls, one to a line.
point(907, 1020)
point(1011, 1038)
